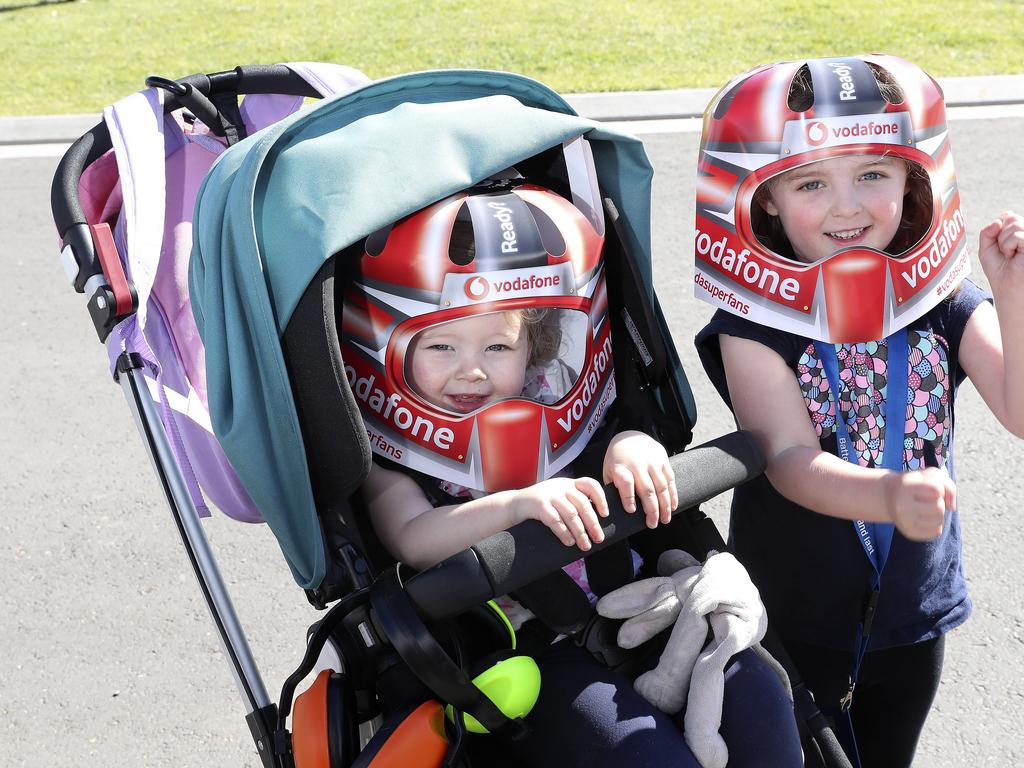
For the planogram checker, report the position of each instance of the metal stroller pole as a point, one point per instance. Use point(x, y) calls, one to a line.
point(260, 712)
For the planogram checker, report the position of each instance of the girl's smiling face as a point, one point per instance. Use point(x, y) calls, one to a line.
point(465, 364)
point(855, 200)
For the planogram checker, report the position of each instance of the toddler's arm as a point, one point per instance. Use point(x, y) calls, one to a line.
point(992, 347)
point(767, 401)
point(419, 534)
point(639, 466)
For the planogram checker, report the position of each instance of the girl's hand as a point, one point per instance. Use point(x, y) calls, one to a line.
point(638, 465)
point(1001, 252)
point(918, 501)
point(569, 507)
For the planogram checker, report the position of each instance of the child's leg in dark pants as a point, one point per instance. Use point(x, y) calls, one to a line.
point(899, 687)
point(758, 723)
point(590, 716)
point(892, 698)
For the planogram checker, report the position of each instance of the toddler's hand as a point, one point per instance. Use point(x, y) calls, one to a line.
point(569, 507)
point(638, 465)
point(918, 501)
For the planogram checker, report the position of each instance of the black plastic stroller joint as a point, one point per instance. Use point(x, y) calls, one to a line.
point(93, 267)
point(260, 722)
point(171, 86)
point(347, 571)
point(223, 119)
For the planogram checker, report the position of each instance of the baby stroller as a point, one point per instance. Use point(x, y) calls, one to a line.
point(134, 275)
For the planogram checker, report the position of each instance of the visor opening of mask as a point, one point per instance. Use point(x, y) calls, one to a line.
point(462, 246)
point(550, 236)
point(915, 222)
point(726, 101)
point(535, 353)
point(462, 249)
point(375, 241)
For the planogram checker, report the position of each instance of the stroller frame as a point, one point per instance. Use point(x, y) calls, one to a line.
point(260, 712)
point(710, 469)
point(110, 298)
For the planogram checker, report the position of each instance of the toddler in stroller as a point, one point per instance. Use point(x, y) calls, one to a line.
point(517, 324)
point(266, 281)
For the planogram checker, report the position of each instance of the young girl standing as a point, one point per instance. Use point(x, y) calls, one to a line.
point(830, 236)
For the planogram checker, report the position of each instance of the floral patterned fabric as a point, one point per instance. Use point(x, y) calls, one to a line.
point(863, 374)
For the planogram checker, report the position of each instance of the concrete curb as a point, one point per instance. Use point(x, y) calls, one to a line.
point(621, 105)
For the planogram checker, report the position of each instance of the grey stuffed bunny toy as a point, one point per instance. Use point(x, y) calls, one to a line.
point(689, 597)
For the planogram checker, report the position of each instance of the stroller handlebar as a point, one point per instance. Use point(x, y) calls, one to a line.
point(511, 559)
point(90, 270)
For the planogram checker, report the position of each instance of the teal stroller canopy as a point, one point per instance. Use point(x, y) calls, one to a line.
point(279, 204)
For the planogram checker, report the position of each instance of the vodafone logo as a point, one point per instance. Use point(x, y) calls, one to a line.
point(467, 289)
point(801, 135)
point(816, 133)
point(477, 288)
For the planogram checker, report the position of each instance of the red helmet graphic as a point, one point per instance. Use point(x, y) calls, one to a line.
point(475, 335)
point(781, 117)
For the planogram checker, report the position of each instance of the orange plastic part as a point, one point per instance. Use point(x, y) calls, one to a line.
point(309, 725)
point(419, 741)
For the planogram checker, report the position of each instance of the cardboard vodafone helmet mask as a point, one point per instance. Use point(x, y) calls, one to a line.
point(475, 333)
point(780, 117)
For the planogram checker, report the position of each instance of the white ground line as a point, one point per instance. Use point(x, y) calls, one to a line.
point(635, 127)
point(19, 151)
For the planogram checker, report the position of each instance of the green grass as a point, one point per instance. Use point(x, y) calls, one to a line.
point(70, 57)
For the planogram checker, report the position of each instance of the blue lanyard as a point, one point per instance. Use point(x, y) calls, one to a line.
point(875, 538)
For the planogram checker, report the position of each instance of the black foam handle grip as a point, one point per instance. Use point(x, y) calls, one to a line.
point(510, 559)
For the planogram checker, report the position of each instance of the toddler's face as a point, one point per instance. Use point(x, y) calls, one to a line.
point(856, 200)
point(463, 365)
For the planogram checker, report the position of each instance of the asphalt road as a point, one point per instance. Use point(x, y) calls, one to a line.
point(107, 654)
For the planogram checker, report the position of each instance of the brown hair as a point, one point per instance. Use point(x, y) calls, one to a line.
point(543, 333)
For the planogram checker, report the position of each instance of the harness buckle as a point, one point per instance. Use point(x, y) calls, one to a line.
point(599, 638)
point(847, 700)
